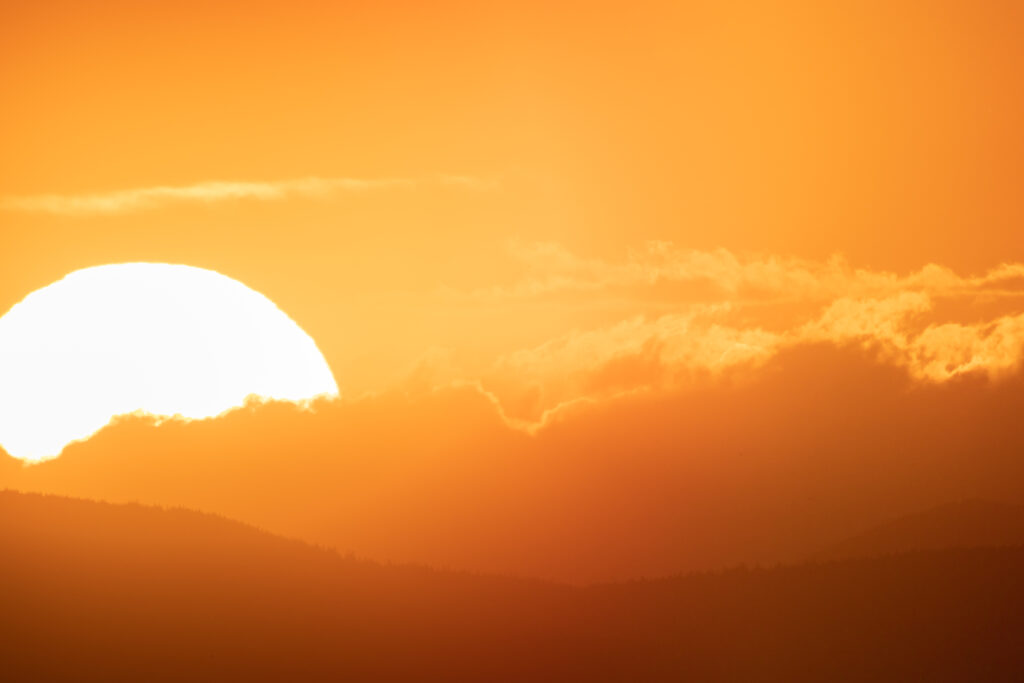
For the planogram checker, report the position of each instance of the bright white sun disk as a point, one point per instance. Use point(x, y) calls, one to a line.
point(157, 338)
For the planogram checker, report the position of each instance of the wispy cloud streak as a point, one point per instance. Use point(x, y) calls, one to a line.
point(551, 268)
point(147, 198)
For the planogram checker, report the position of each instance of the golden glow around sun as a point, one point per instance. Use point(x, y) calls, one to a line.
point(157, 338)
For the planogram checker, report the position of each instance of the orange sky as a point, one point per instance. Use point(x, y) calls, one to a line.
point(886, 132)
point(565, 207)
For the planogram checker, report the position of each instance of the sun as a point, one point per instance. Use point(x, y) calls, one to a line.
point(169, 340)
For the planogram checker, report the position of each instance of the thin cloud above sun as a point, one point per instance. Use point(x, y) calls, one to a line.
point(151, 198)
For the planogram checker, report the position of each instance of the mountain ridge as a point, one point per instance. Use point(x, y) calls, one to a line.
point(97, 591)
point(968, 523)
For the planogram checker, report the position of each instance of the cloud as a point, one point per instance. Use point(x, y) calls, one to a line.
point(674, 352)
point(647, 271)
point(945, 351)
point(687, 317)
point(815, 445)
point(536, 385)
point(147, 198)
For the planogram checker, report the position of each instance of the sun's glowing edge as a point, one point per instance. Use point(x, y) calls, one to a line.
point(177, 342)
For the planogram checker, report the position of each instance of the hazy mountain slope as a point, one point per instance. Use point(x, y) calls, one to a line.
point(964, 524)
point(93, 591)
point(138, 592)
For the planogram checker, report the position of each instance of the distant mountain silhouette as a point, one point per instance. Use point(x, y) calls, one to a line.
point(93, 591)
point(964, 524)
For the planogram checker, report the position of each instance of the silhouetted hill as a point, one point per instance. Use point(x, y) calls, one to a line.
point(964, 524)
point(93, 591)
point(99, 591)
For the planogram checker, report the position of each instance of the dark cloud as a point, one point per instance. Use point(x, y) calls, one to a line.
point(816, 445)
